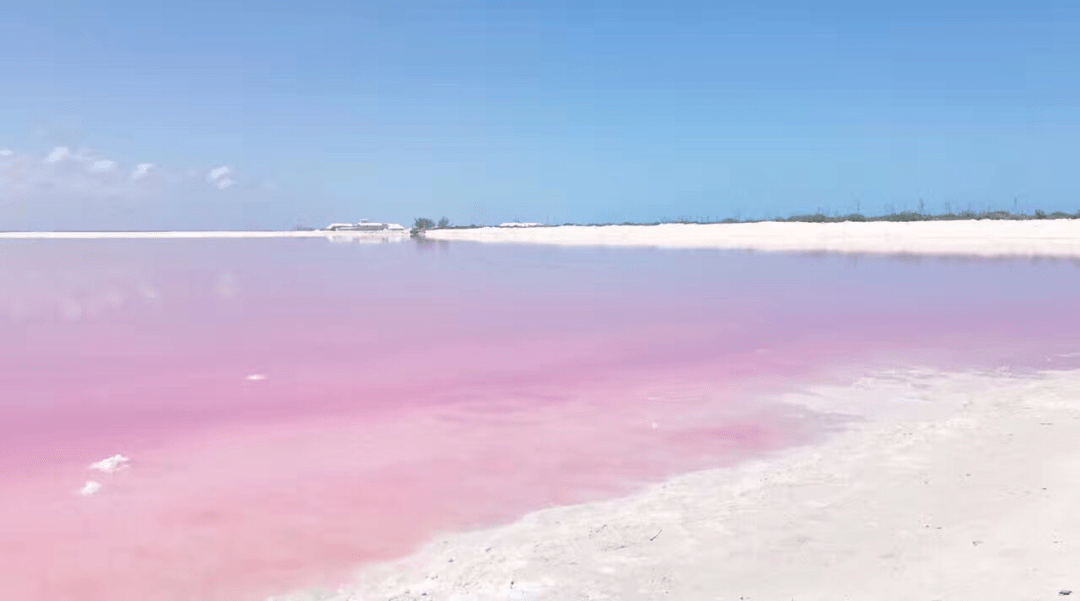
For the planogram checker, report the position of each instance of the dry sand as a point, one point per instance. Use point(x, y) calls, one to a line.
point(1045, 238)
point(953, 486)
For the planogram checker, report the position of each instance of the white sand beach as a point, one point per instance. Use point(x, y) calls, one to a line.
point(953, 486)
point(1043, 238)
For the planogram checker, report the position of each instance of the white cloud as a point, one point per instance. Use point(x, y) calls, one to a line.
point(58, 154)
point(221, 177)
point(141, 170)
point(67, 187)
point(90, 488)
point(78, 177)
point(217, 173)
point(102, 166)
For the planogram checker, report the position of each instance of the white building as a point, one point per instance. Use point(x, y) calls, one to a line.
point(364, 226)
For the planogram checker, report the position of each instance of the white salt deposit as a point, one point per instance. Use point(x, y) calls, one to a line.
point(1042, 238)
point(111, 464)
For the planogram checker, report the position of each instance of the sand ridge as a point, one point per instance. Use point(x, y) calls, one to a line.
point(1033, 238)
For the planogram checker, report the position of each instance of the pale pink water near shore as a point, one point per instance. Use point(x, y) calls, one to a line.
point(295, 408)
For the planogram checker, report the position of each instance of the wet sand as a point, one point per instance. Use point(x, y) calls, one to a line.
point(954, 486)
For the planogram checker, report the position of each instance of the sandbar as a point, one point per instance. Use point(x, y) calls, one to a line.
point(991, 238)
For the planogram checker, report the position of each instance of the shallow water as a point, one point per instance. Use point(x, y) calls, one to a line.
point(293, 408)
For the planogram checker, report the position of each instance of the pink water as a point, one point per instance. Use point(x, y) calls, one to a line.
point(408, 390)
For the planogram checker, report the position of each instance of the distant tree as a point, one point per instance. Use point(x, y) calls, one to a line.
point(421, 224)
point(444, 222)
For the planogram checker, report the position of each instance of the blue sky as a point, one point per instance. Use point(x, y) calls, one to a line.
point(541, 111)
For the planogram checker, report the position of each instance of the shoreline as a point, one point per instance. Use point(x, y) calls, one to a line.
point(987, 238)
point(1049, 238)
point(950, 485)
point(190, 235)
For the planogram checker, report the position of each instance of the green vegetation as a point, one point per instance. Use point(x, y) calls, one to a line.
point(921, 216)
point(902, 216)
point(422, 224)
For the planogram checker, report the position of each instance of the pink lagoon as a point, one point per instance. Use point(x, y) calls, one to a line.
point(288, 411)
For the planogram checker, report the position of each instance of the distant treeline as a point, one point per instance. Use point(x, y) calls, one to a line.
point(901, 216)
point(917, 216)
point(422, 224)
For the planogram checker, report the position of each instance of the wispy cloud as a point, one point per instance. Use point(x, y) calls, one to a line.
point(141, 170)
point(218, 172)
point(221, 177)
point(58, 154)
point(102, 166)
point(62, 168)
point(66, 187)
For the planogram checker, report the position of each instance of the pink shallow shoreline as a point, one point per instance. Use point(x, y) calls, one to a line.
point(483, 388)
point(239, 506)
point(248, 508)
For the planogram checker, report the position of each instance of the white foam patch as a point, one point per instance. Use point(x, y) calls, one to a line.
point(90, 488)
point(112, 464)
